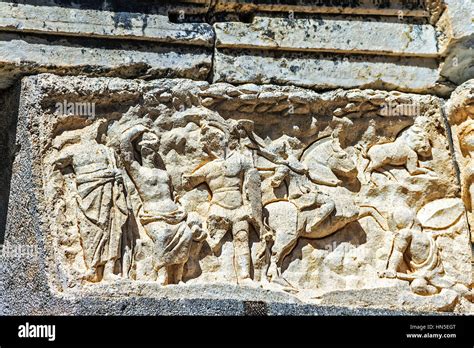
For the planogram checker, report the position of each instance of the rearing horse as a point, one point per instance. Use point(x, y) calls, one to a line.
point(325, 160)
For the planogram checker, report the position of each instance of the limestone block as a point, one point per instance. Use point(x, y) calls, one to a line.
point(97, 41)
point(443, 302)
point(102, 24)
point(327, 71)
point(352, 35)
point(397, 296)
point(455, 22)
point(328, 51)
point(392, 8)
point(184, 190)
point(456, 40)
point(25, 54)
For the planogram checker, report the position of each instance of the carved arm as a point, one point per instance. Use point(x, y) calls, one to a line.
point(126, 145)
point(197, 177)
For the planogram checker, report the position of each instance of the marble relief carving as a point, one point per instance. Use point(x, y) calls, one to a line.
point(284, 189)
point(460, 113)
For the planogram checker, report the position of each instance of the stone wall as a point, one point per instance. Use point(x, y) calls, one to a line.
point(313, 155)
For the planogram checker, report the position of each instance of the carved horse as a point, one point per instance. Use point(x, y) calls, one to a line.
point(326, 162)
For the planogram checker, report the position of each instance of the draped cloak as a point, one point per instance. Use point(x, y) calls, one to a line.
point(102, 203)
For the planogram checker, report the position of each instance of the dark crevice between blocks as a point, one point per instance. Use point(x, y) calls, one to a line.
point(9, 106)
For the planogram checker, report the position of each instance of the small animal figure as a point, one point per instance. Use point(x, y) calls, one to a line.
point(404, 151)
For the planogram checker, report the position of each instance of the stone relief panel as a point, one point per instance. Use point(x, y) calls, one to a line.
point(175, 182)
point(460, 113)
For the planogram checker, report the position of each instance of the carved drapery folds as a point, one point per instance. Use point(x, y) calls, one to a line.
point(182, 182)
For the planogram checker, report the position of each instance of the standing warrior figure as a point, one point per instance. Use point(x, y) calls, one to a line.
point(235, 186)
point(100, 198)
point(162, 218)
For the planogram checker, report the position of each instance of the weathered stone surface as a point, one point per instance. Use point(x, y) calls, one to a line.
point(103, 24)
point(445, 301)
point(393, 8)
point(188, 7)
point(456, 40)
point(460, 113)
point(8, 115)
point(100, 42)
point(455, 23)
point(288, 49)
point(283, 193)
point(27, 54)
point(330, 34)
point(236, 191)
point(326, 71)
point(311, 43)
point(398, 296)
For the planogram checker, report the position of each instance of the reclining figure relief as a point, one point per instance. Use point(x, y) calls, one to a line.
point(415, 257)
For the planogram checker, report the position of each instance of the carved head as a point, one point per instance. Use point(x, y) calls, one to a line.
point(239, 130)
point(219, 136)
point(94, 131)
point(418, 140)
point(148, 147)
point(215, 138)
point(403, 217)
point(340, 162)
point(90, 133)
point(422, 146)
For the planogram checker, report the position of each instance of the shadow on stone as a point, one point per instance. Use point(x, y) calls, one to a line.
point(9, 101)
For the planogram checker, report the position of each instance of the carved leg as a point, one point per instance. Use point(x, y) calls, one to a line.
point(420, 286)
point(192, 266)
point(175, 273)
point(286, 243)
point(217, 227)
point(109, 269)
point(283, 219)
point(240, 232)
point(387, 173)
point(368, 172)
point(470, 198)
point(93, 274)
point(162, 276)
point(319, 215)
point(412, 165)
point(395, 258)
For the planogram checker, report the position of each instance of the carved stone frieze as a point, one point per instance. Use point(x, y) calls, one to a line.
point(177, 183)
